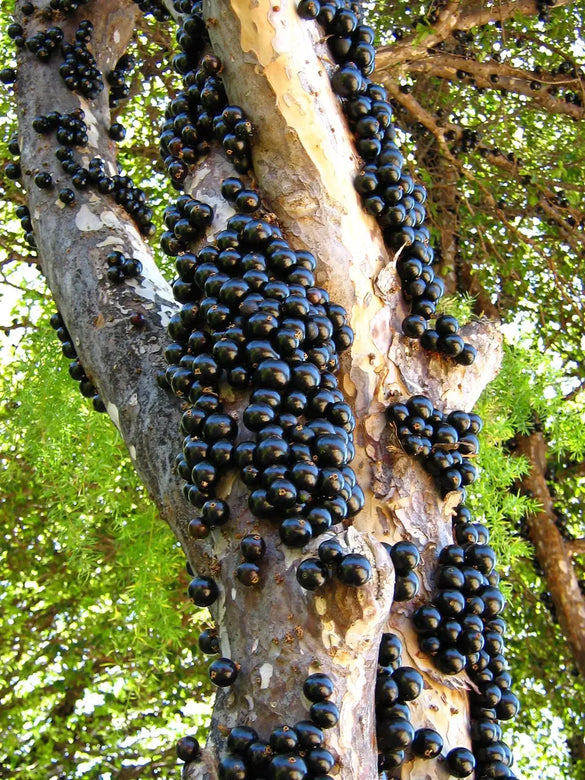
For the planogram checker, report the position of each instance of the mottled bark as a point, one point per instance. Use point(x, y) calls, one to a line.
point(553, 554)
point(73, 241)
point(304, 163)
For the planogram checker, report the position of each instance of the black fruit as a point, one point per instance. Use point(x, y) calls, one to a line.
point(405, 557)
point(223, 672)
point(232, 767)
point(460, 762)
point(354, 569)
point(287, 767)
point(318, 687)
point(203, 591)
point(324, 714)
point(311, 574)
point(427, 743)
point(240, 738)
point(188, 749)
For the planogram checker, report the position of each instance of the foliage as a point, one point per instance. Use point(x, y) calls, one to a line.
point(94, 617)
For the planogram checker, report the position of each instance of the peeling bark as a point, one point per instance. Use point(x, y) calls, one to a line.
point(554, 556)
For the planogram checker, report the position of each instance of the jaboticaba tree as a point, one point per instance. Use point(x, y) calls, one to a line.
point(307, 506)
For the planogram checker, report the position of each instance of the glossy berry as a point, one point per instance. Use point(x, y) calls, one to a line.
point(188, 749)
point(287, 766)
point(460, 762)
point(409, 682)
point(427, 743)
point(295, 531)
point(324, 714)
point(318, 687)
point(407, 587)
point(354, 569)
point(330, 551)
point(283, 740)
point(258, 757)
point(319, 761)
point(387, 693)
point(240, 738)
point(426, 619)
point(310, 736)
point(405, 557)
point(394, 734)
point(232, 767)
point(248, 573)
point(311, 574)
point(203, 591)
point(253, 547)
point(44, 181)
point(117, 132)
point(390, 649)
point(223, 672)
point(209, 641)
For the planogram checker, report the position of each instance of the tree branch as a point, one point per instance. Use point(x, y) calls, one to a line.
point(551, 551)
point(499, 76)
point(576, 547)
point(451, 19)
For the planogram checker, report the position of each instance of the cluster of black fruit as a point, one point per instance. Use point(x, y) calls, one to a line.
point(116, 78)
point(186, 221)
point(291, 752)
point(333, 559)
point(445, 444)
point(253, 316)
point(71, 131)
point(461, 629)
point(153, 7)
point(12, 170)
point(200, 114)
point(121, 267)
point(79, 71)
point(76, 370)
point(23, 214)
point(44, 43)
point(67, 7)
point(396, 685)
point(388, 193)
point(405, 558)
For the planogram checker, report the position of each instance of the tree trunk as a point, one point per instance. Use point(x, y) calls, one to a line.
point(276, 68)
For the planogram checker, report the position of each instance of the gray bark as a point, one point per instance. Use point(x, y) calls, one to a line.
point(304, 163)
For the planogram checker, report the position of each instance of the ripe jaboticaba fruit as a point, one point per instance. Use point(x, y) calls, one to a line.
point(354, 569)
point(188, 749)
point(203, 591)
point(223, 672)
